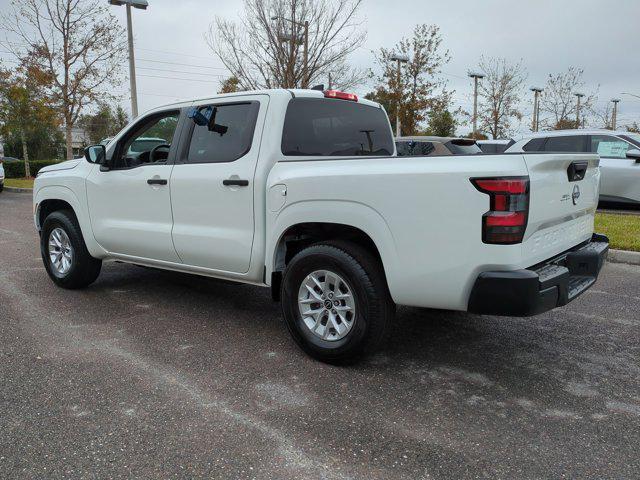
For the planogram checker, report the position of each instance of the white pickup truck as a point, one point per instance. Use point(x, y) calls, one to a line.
point(301, 191)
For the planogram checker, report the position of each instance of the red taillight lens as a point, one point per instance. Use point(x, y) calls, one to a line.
point(340, 95)
point(506, 222)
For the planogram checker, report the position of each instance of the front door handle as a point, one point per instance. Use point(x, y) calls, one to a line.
point(157, 181)
point(235, 182)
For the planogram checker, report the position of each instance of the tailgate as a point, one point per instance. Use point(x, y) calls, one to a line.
point(563, 199)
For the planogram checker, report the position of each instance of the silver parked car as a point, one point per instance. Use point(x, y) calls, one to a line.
point(619, 157)
point(425, 146)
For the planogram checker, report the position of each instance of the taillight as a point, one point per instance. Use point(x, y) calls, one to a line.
point(506, 220)
point(340, 95)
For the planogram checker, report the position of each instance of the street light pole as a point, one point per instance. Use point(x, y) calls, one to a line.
point(579, 96)
point(142, 5)
point(476, 76)
point(400, 59)
point(614, 115)
point(535, 123)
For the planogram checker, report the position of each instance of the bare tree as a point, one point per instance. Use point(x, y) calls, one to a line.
point(499, 94)
point(560, 103)
point(73, 47)
point(420, 88)
point(265, 49)
point(604, 116)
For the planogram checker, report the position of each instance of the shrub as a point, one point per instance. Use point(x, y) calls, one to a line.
point(16, 169)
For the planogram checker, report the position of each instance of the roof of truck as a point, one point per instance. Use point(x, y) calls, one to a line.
point(294, 92)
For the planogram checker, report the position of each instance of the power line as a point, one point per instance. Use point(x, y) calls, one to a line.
point(174, 71)
point(173, 53)
point(182, 64)
point(186, 79)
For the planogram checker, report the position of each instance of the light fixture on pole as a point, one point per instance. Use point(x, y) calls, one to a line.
point(535, 123)
point(579, 97)
point(292, 38)
point(142, 5)
point(400, 59)
point(476, 76)
point(614, 115)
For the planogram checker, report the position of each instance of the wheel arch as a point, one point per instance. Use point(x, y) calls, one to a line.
point(303, 225)
point(53, 198)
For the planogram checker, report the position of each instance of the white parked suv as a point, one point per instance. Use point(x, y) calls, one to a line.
point(1, 176)
point(619, 157)
point(300, 191)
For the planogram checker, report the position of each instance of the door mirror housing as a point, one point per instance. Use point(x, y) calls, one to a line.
point(634, 154)
point(95, 154)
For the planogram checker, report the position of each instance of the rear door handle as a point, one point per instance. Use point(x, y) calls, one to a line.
point(235, 182)
point(157, 181)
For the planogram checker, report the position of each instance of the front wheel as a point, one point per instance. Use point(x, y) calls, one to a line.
point(336, 302)
point(64, 252)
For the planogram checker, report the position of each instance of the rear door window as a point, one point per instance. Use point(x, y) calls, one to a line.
point(331, 127)
point(227, 137)
point(567, 143)
point(535, 145)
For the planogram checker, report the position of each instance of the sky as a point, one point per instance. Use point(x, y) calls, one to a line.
point(599, 36)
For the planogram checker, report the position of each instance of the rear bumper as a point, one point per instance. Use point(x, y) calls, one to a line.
point(551, 284)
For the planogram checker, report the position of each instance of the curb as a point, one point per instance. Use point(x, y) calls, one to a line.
point(623, 256)
point(18, 190)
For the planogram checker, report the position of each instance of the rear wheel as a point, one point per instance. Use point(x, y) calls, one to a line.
point(64, 252)
point(336, 302)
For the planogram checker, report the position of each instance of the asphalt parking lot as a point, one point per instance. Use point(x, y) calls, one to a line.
point(150, 374)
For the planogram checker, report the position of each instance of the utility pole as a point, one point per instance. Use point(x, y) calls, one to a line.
point(330, 85)
point(400, 59)
point(305, 83)
point(142, 5)
point(293, 39)
point(132, 66)
point(535, 123)
point(476, 76)
point(578, 96)
point(614, 115)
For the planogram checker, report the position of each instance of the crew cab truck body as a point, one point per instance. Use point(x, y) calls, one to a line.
point(301, 191)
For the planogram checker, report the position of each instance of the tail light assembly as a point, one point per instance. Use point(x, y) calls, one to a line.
point(506, 221)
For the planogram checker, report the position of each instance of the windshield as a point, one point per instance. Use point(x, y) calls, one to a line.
point(633, 138)
point(328, 127)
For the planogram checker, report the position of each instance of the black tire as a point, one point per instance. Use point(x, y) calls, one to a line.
point(1, 187)
point(84, 268)
point(374, 307)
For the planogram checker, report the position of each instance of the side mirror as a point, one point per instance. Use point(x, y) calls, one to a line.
point(634, 154)
point(95, 154)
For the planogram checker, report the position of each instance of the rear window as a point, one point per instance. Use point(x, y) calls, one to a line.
point(412, 148)
point(463, 147)
point(328, 127)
